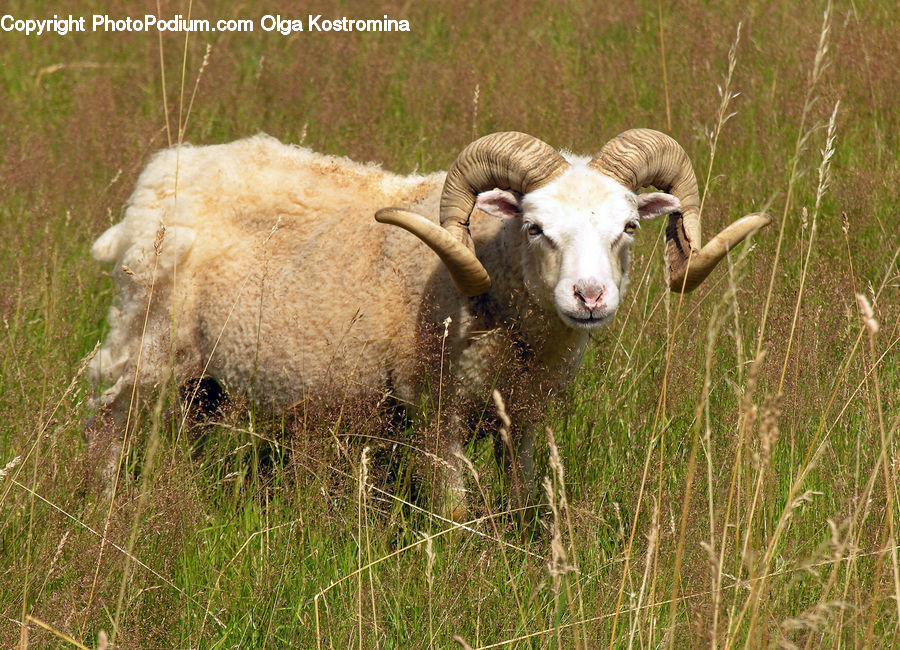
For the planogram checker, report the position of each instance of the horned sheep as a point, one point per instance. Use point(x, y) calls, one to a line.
point(259, 265)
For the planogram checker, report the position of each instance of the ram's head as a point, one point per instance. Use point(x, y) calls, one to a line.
point(578, 217)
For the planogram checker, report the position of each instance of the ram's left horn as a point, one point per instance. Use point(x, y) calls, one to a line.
point(468, 274)
point(702, 262)
point(642, 157)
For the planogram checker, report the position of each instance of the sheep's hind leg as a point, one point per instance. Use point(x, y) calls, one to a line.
point(104, 433)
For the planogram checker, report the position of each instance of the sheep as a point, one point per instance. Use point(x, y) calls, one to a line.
point(258, 264)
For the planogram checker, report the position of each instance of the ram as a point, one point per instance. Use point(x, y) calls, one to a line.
point(258, 265)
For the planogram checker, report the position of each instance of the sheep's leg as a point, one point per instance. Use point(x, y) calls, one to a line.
point(103, 434)
point(456, 505)
point(449, 481)
point(525, 457)
point(514, 452)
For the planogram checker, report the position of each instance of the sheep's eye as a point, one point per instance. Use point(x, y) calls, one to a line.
point(630, 227)
point(533, 230)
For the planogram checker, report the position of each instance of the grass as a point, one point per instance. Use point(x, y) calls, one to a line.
point(724, 471)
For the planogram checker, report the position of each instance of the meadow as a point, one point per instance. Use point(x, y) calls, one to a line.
point(723, 471)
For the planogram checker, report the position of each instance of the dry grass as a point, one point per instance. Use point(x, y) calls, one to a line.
point(724, 470)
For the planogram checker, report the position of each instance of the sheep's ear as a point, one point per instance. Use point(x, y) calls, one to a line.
point(499, 203)
point(656, 204)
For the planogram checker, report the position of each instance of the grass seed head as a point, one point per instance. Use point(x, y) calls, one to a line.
point(10, 466)
point(867, 314)
point(157, 244)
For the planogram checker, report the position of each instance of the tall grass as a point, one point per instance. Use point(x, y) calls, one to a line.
point(723, 471)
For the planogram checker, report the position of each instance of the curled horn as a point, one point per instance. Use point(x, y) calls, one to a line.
point(642, 157)
point(467, 272)
point(508, 161)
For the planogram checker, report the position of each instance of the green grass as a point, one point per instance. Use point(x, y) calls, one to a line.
point(254, 532)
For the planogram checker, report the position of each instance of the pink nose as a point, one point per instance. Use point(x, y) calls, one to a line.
point(589, 293)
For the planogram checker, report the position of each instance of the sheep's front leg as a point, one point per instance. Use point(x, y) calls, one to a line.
point(514, 451)
point(450, 487)
point(525, 457)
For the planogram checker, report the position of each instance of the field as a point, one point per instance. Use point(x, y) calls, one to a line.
point(725, 465)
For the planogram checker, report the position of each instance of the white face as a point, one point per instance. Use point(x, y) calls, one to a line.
point(579, 230)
